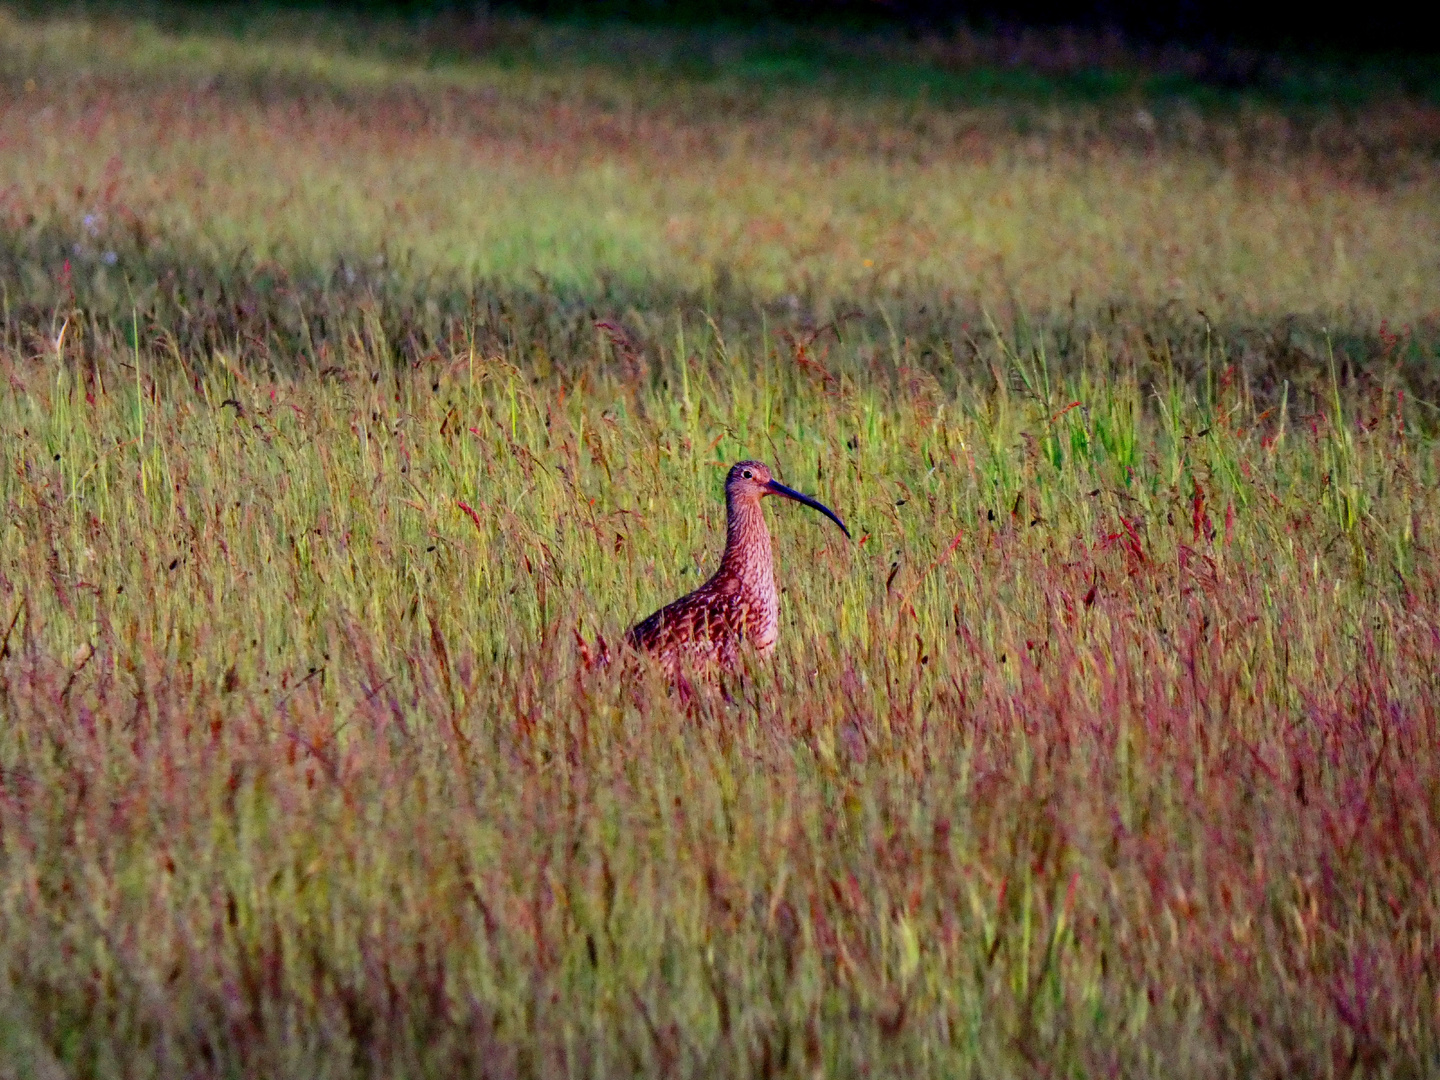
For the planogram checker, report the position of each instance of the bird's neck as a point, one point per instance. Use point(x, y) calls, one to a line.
point(747, 542)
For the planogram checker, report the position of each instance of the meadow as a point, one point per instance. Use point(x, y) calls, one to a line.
point(363, 383)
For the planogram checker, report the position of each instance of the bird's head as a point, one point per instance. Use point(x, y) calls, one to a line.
point(750, 481)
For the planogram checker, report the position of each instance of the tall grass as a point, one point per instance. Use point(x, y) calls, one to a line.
point(1109, 745)
point(1107, 748)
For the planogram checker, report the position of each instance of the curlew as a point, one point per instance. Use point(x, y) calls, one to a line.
point(740, 602)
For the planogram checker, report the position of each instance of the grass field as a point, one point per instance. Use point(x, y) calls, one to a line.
point(1111, 746)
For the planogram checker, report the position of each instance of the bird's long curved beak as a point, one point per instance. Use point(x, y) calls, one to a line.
point(777, 488)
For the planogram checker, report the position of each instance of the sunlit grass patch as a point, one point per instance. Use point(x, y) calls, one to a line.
point(584, 177)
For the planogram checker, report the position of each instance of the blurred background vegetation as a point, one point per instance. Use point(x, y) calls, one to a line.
point(367, 371)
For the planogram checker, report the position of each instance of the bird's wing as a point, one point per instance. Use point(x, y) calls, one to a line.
point(702, 621)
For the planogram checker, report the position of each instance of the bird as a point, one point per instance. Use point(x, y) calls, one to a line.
point(739, 604)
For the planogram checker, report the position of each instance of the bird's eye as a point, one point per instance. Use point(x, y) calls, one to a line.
point(747, 474)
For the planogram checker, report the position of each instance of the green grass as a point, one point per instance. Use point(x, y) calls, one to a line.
point(958, 67)
point(1107, 747)
point(126, 137)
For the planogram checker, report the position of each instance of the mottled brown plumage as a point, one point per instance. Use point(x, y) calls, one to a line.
point(739, 603)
